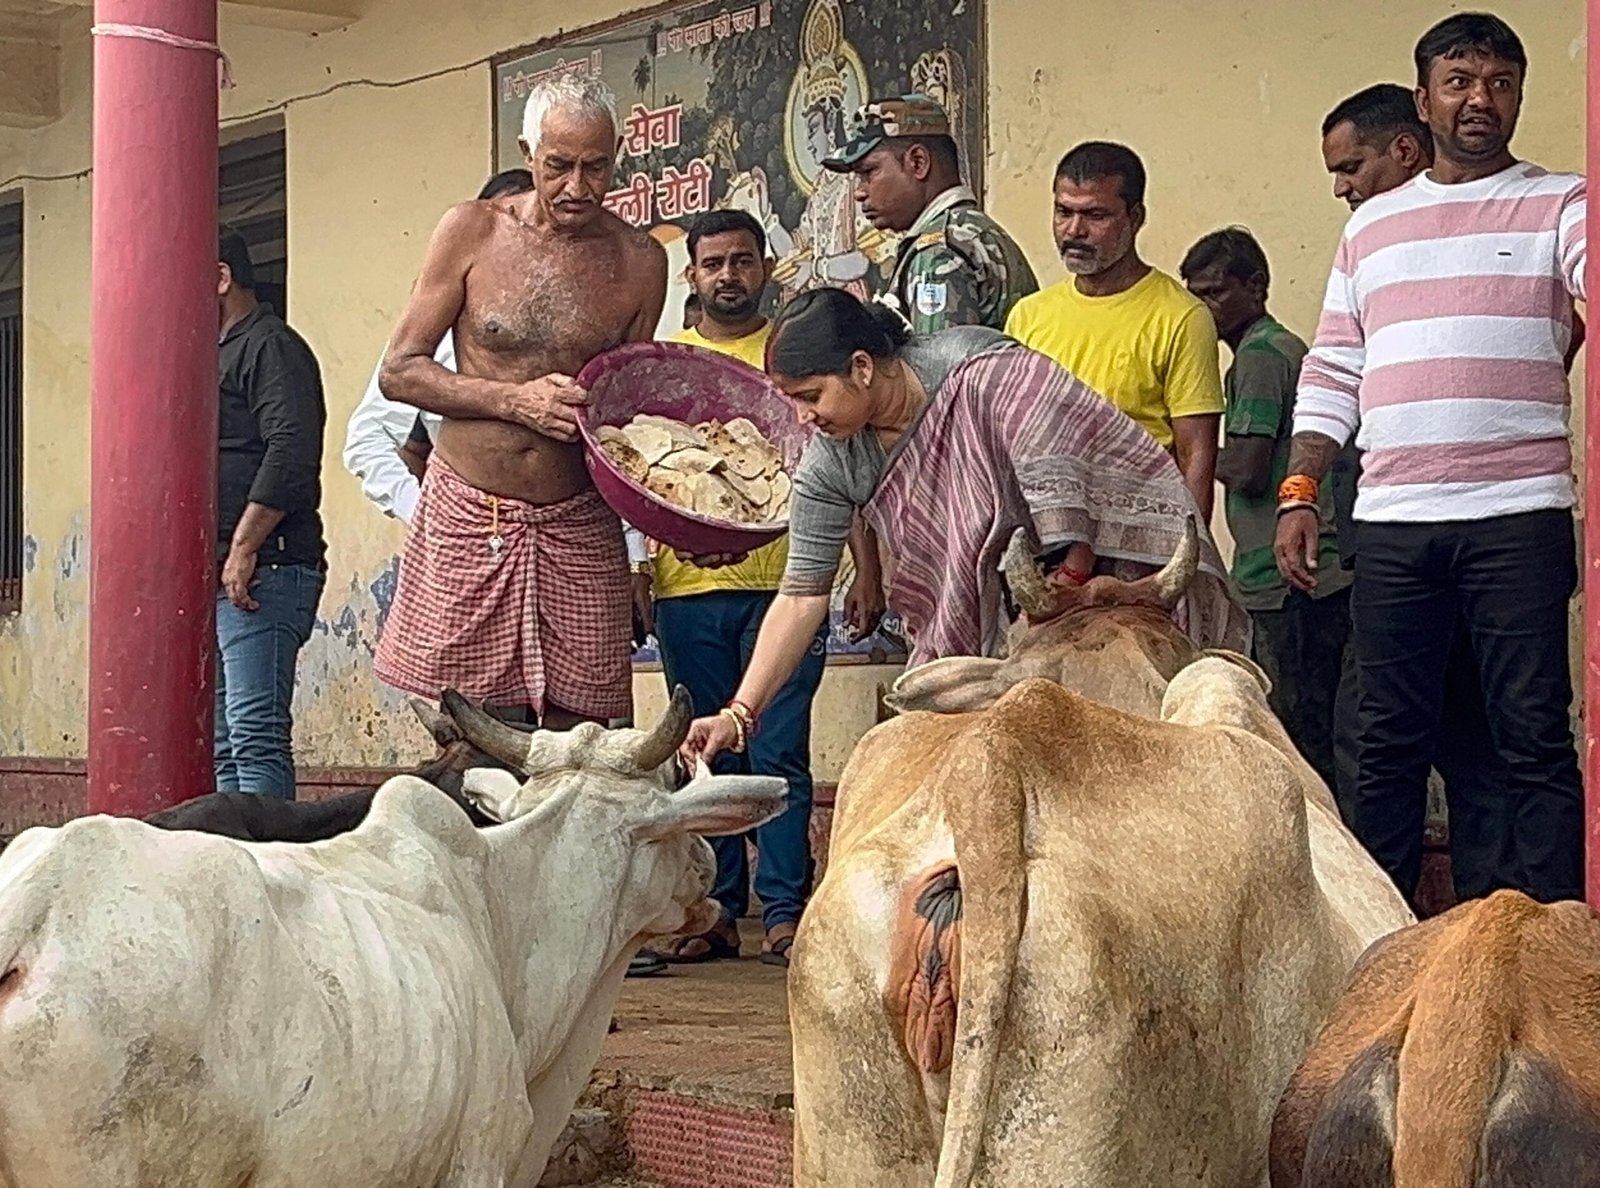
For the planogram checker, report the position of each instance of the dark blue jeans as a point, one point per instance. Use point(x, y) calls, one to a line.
point(256, 654)
point(706, 641)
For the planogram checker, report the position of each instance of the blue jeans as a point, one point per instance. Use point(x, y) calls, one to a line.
point(706, 641)
point(256, 654)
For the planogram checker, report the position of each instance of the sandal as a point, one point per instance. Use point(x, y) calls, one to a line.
point(776, 951)
point(714, 946)
point(647, 963)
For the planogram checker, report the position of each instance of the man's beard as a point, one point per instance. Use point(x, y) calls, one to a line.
point(728, 308)
point(1489, 142)
point(1085, 263)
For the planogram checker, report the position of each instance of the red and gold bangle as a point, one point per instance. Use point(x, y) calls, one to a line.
point(743, 718)
point(1299, 488)
point(1076, 576)
point(739, 728)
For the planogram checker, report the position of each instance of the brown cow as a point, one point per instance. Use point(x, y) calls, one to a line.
point(1110, 640)
point(1462, 1055)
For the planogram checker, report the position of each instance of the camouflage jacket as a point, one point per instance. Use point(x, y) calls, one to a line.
point(958, 267)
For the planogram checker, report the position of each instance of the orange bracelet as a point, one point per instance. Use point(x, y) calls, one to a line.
point(1299, 488)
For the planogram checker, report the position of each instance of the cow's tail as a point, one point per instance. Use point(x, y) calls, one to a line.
point(984, 799)
point(1452, 1060)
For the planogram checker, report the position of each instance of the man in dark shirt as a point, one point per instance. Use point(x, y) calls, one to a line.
point(269, 534)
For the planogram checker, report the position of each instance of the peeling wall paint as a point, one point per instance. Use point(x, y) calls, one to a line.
point(44, 649)
point(339, 708)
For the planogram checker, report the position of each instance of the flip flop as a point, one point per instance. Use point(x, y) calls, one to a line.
point(647, 964)
point(778, 952)
point(717, 948)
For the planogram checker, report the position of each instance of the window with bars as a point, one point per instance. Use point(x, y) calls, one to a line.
point(251, 199)
point(10, 403)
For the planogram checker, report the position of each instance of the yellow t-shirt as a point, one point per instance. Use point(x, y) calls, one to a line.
point(763, 569)
point(1151, 351)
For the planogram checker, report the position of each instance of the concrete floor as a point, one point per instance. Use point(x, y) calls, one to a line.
point(717, 1031)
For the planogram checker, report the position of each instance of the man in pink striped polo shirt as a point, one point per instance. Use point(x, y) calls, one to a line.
point(1443, 335)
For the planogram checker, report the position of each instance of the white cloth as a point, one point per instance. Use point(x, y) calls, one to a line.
point(380, 426)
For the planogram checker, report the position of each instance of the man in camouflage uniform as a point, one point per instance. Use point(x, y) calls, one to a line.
point(956, 265)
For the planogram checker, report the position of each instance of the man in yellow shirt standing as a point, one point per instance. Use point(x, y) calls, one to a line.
point(706, 622)
point(1129, 331)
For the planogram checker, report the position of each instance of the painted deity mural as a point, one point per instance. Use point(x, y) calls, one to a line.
point(735, 107)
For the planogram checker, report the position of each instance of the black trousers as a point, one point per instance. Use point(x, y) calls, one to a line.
point(1508, 579)
point(1465, 758)
point(1301, 647)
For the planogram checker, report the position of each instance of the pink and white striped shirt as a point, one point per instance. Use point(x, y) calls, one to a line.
point(1443, 335)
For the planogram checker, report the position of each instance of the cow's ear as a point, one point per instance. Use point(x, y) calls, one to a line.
point(712, 806)
point(953, 685)
point(492, 791)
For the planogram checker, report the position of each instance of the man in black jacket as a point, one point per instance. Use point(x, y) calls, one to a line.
point(269, 533)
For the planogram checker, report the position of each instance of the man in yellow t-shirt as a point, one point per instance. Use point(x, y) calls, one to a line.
point(706, 622)
point(1132, 333)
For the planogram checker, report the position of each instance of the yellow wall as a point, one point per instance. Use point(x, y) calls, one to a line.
point(1224, 102)
point(44, 650)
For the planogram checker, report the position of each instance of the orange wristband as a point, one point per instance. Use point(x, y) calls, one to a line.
point(1298, 488)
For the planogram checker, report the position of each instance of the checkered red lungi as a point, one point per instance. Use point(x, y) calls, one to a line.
point(546, 618)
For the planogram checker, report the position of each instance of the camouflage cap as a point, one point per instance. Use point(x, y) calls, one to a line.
point(888, 119)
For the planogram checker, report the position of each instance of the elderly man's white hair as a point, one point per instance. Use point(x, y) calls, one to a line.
point(579, 94)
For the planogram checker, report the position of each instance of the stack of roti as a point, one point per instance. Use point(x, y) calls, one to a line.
point(722, 471)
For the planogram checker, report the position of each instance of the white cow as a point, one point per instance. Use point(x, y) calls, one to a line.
point(414, 1004)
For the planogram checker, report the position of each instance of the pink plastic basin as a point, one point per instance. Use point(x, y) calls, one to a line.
point(689, 384)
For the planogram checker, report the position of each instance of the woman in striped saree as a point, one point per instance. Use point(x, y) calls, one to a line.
point(947, 444)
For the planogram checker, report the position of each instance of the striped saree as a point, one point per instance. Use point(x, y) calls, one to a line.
point(1010, 438)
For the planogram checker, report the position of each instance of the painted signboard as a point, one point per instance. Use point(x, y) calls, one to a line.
point(735, 106)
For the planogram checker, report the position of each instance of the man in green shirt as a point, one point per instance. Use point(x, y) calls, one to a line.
point(956, 266)
point(1300, 638)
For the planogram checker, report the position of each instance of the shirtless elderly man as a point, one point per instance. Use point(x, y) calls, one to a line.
point(514, 585)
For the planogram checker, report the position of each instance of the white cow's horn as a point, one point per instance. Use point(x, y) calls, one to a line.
point(1037, 600)
point(1173, 580)
point(662, 743)
point(490, 735)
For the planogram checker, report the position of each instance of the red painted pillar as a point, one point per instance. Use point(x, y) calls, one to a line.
point(153, 415)
point(1591, 490)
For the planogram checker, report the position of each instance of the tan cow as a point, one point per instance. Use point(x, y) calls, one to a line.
point(1060, 943)
point(1463, 1055)
point(1111, 640)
